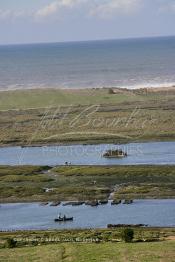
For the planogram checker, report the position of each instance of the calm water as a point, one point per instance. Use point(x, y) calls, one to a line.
point(34, 216)
point(121, 63)
point(158, 153)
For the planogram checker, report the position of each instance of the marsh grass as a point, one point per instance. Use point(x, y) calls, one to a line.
point(26, 183)
point(85, 116)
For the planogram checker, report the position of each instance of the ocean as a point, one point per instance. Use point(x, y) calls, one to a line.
point(131, 63)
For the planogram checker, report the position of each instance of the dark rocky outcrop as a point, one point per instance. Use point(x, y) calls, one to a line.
point(54, 204)
point(74, 203)
point(116, 202)
point(92, 203)
point(114, 153)
point(103, 202)
point(126, 225)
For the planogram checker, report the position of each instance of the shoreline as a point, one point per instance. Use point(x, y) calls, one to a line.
point(69, 201)
point(153, 87)
point(85, 229)
point(87, 143)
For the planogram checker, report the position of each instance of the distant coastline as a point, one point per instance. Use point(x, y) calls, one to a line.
point(161, 87)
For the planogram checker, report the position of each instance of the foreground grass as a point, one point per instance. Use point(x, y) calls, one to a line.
point(106, 252)
point(26, 183)
point(25, 238)
point(33, 117)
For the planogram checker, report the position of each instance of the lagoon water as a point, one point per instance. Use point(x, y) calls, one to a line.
point(151, 153)
point(33, 216)
point(119, 63)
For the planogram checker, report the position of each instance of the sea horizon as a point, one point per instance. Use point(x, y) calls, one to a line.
point(88, 40)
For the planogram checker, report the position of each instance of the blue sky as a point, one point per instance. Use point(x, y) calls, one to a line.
point(30, 21)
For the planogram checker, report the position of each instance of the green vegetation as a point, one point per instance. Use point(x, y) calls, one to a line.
point(39, 117)
point(30, 238)
point(103, 252)
point(42, 98)
point(21, 170)
point(10, 243)
point(29, 183)
point(128, 235)
point(31, 117)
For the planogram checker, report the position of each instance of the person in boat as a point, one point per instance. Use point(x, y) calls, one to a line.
point(60, 217)
point(63, 218)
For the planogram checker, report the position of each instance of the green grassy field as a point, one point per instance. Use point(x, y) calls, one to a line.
point(106, 252)
point(27, 183)
point(42, 98)
point(88, 116)
point(149, 244)
point(39, 117)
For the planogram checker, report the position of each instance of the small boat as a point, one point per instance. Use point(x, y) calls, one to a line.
point(63, 218)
